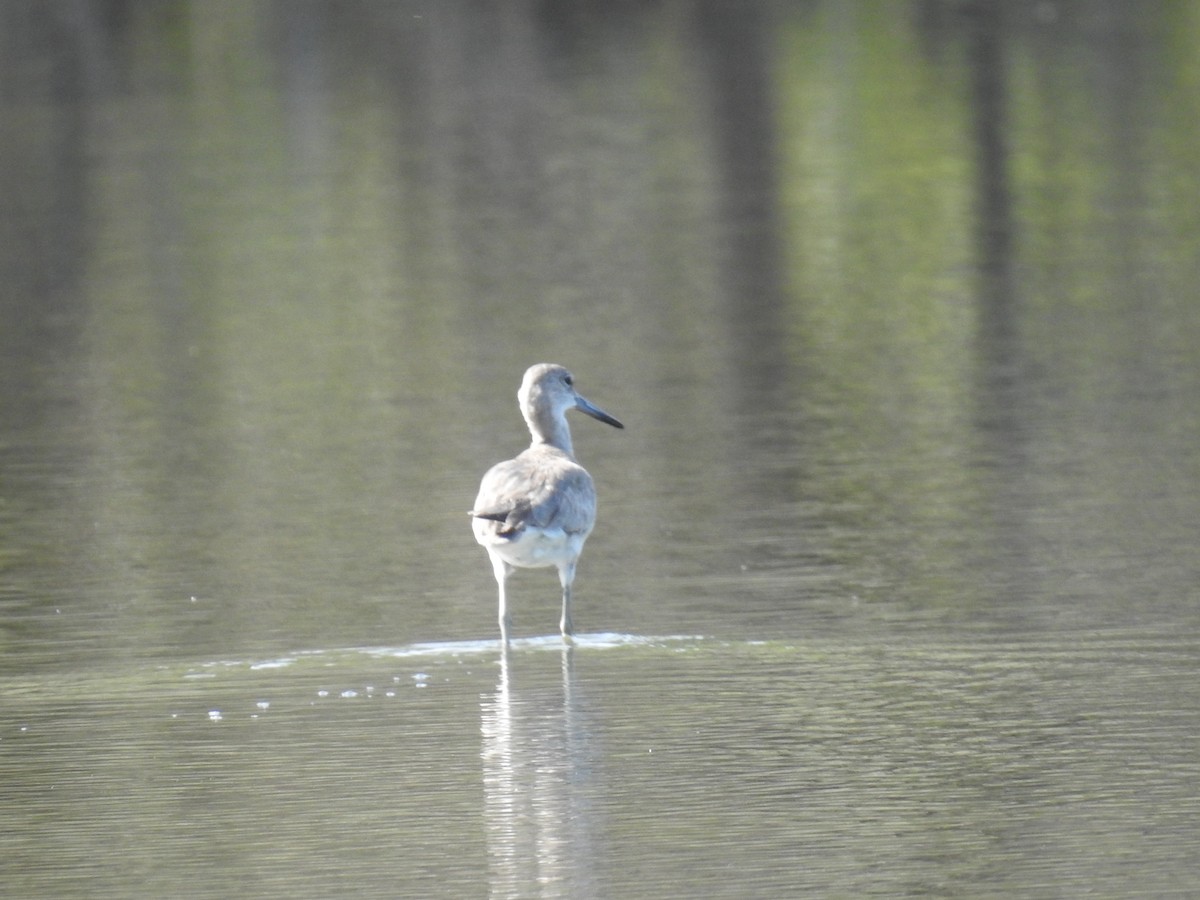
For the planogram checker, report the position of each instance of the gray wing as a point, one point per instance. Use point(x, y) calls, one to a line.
point(540, 489)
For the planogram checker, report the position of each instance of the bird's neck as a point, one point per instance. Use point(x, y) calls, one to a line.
point(551, 430)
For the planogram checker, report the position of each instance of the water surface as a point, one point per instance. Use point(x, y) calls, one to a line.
point(894, 586)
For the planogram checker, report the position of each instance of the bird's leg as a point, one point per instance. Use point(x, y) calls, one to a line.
point(566, 575)
point(502, 570)
point(565, 623)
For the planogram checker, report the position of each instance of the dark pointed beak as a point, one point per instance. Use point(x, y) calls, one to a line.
point(595, 412)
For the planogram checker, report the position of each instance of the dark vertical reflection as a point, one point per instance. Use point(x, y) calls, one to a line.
point(47, 80)
point(736, 56)
point(757, 383)
point(43, 72)
point(999, 415)
point(993, 199)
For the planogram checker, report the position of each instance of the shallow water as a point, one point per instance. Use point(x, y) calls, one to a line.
point(622, 766)
point(894, 586)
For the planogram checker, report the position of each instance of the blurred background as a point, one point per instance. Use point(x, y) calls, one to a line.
point(897, 301)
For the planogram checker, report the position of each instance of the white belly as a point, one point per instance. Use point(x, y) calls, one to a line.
point(533, 548)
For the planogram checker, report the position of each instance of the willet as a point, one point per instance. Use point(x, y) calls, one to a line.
point(538, 509)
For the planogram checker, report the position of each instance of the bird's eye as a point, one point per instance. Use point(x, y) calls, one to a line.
point(568, 380)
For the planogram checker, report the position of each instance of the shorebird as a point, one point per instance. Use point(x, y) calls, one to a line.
point(537, 510)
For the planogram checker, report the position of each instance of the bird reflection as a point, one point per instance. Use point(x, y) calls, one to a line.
point(535, 765)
